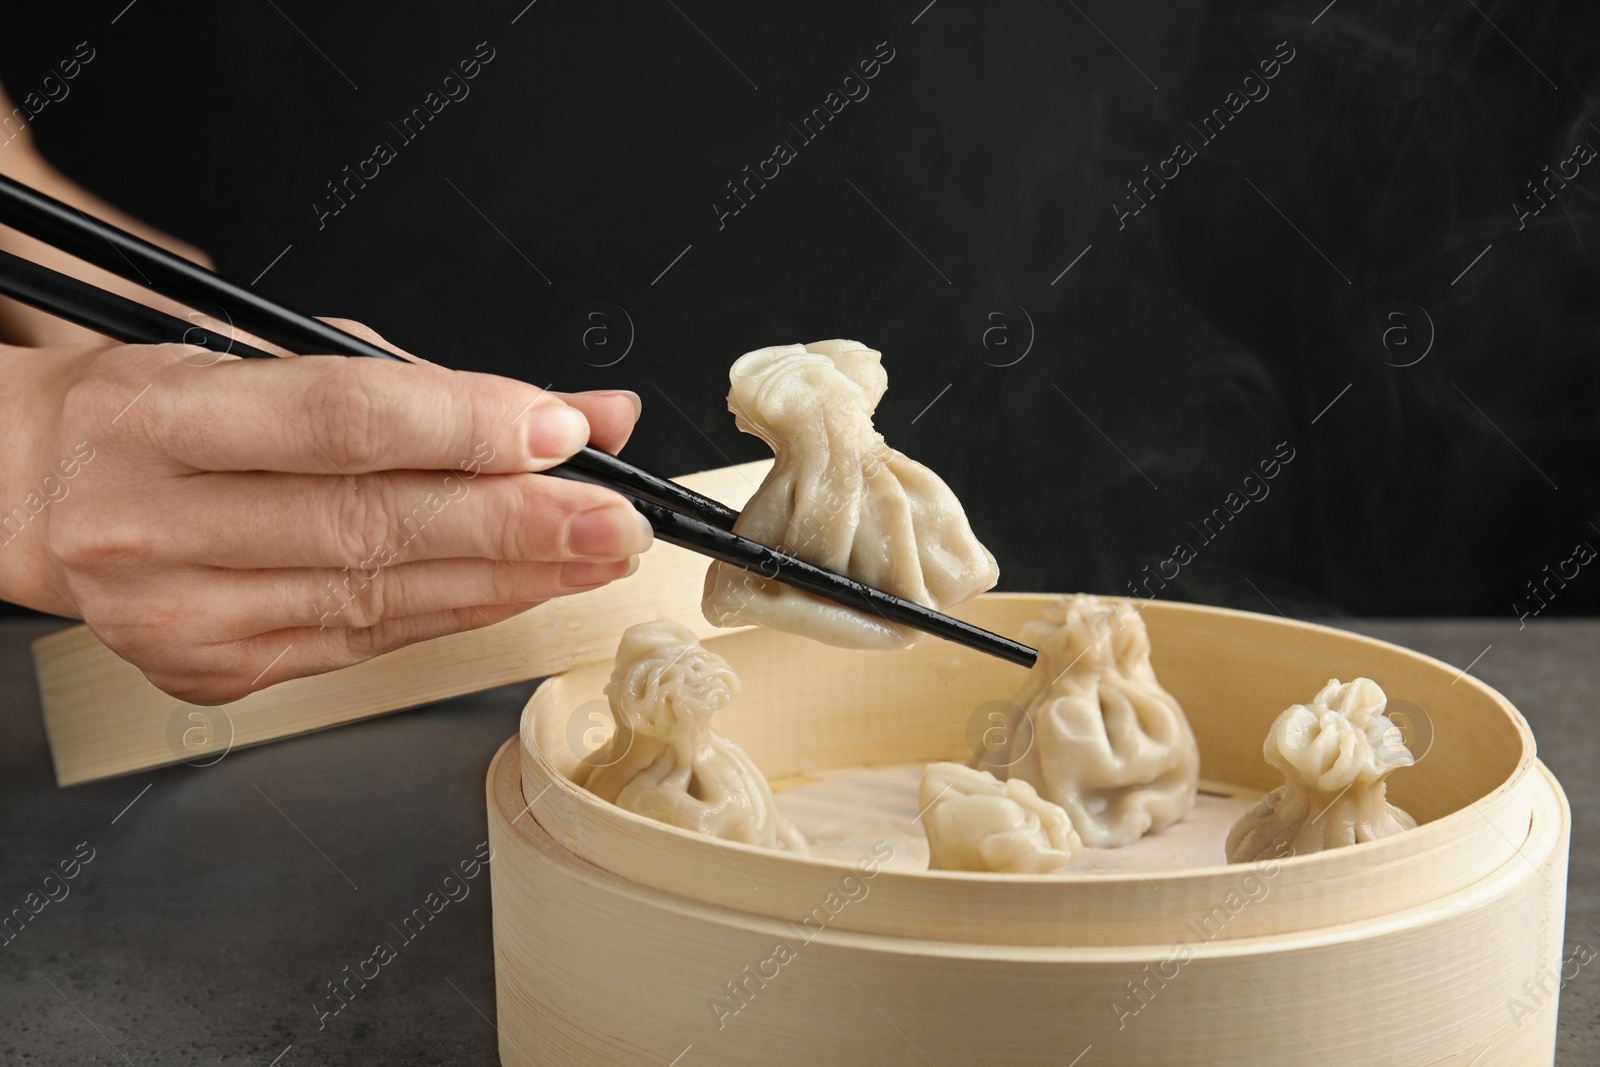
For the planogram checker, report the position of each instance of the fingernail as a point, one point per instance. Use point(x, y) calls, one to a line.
point(649, 532)
point(589, 575)
point(612, 532)
point(556, 431)
point(633, 398)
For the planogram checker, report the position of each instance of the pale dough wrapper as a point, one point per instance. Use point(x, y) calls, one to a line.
point(841, 498)
point(665, 761)
point(1334, 754)
point(1107, 743)
point(976, 822)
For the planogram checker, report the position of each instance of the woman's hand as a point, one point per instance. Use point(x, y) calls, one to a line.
point(224, 527)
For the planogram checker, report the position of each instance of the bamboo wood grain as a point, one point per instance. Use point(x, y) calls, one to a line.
point(807, 708)
point(597, 969)
point(104, 719)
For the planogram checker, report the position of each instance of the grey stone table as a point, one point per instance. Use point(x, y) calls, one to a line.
point(219, 901)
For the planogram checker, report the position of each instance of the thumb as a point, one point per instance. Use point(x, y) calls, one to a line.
point(368, 334)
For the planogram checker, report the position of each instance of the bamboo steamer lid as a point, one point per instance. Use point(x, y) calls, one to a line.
point(617, 937)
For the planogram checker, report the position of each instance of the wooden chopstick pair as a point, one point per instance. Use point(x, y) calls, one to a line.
point(678, 516)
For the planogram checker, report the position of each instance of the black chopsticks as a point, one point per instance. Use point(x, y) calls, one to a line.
point(115, 316)
point(679, 516)
point(678, 529)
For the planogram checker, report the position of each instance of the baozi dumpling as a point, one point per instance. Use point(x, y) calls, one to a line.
point(1334, 754)
point(841, 498)
point(1107, 743)
point(665, 761)
point(976, 822)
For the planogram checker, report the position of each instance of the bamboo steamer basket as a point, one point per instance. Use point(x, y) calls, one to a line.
point(617, 937)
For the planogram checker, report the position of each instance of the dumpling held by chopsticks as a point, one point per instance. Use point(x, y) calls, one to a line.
point(839, 497)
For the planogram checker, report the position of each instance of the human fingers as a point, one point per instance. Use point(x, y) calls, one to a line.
point(612, 415)
point(255, 521)
point(371, 336)
point(329, 416)
point(226, 672)
point(245, 603)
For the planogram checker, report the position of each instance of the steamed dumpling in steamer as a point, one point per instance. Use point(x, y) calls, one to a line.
point(1107, 743)
point(1334, 754)
point(841, 498)
point(975, 822)
point(665, 761)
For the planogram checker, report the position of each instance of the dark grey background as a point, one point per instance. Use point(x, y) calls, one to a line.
point(1380, 173)
point(1222, 320)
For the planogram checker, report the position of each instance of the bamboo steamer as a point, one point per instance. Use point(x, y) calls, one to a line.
point(617, 937)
